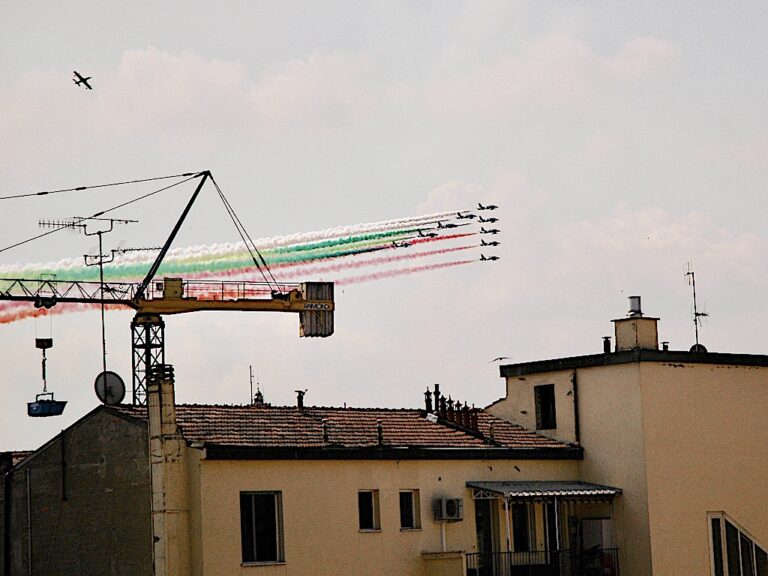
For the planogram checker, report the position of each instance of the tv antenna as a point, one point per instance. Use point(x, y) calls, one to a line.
point(81, 224)
point(258, 399)
point(690, 278)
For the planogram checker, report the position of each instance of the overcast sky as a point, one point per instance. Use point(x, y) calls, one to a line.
point(621, 141)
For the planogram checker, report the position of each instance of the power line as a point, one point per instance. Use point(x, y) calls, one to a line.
point(80, 188)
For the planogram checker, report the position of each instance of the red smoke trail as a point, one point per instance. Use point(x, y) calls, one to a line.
point(21, 310)
point(307, 272)
point(398, 272)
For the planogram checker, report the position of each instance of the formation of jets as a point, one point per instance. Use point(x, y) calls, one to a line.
point(81, 80)
point(467, 216)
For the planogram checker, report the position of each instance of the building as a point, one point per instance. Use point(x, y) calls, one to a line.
point(633, 461)
point(682, 433)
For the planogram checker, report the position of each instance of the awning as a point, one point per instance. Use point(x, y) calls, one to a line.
point(540, 489)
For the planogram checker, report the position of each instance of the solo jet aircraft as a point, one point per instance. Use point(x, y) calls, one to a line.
point(489, 231)
point(422, 234)
point(488, 220)
point(493, 243)
point(467, 216)
point(488, 259)
point(79, 79)
point(487, 207)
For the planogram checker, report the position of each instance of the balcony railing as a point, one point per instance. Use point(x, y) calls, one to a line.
point(592, 562)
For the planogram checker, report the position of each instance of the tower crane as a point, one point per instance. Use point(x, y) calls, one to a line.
point(151, 300)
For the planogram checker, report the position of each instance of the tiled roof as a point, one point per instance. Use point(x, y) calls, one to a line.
point(287, 427)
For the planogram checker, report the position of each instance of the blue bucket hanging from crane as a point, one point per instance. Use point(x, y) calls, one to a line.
point(43, 406)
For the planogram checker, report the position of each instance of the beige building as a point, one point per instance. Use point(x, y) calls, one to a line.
point(635, 461)
point(683, 434)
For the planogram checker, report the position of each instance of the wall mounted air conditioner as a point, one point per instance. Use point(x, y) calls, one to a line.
point(448, 509)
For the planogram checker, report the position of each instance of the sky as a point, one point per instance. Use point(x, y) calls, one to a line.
point(620, 140)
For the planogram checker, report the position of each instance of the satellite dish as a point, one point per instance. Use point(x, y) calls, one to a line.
point(110, 388)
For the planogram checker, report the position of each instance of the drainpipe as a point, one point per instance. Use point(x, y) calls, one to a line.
point(29, 522)
point(509, 529)
point(557, 525)
point(576, 421)
point(443, 540)
point(7, 495)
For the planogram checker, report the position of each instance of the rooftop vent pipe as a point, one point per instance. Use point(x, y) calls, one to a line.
point(300, 399)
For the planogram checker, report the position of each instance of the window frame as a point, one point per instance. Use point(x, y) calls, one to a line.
point(375, 511)
point(277, 499)
point(546, 419)
point(724, 566)
point(415, 499)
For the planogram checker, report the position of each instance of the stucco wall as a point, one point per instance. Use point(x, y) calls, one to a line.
point(705, 429)
point(321, 517)
point(519, 405)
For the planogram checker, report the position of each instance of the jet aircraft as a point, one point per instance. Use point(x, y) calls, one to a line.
point(486, 207)
point(422, 234)
point(489, 231)
point(488, 220)
point(448, 225)
point(488, 259)
point(493, 243)
point(467, 216)
point(81, 80)
point(402, 244)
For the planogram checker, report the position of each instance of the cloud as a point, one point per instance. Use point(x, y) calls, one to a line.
point(551, 70)
point(650, 239)
point(320, 87)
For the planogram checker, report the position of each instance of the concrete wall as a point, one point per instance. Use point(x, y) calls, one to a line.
point(320, 512)
point(705, 434)
point(88, 503)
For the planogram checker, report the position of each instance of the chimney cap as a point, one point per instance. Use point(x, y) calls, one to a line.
point(635, 308)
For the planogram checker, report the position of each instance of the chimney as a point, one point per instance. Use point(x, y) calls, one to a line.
point(379, 432)
point(300, 399)
point(636, 332)
point(606, 344)
point(437, 398)
point(428, 401)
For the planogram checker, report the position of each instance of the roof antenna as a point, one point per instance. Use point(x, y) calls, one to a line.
point(690, 278)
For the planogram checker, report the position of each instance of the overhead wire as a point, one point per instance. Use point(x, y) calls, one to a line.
point(81, 188)
point(97, 214)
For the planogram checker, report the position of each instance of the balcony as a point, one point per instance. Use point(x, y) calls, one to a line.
point(592, 562)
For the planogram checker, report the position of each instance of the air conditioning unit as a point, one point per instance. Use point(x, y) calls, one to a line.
point(448, 509)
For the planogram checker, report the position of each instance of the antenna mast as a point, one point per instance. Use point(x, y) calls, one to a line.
point(690, 278)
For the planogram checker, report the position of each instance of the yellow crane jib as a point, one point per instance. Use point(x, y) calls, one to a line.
point(313, 301)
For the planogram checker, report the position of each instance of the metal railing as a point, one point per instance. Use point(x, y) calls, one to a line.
point(592, 562)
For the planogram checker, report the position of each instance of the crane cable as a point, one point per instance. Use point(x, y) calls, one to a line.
point(80, 188)
point(260, 262)
point(102, 212)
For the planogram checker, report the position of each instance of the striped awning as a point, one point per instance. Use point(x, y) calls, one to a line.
point(537, 489)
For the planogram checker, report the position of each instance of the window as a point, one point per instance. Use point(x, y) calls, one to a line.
point(368, 509)
point(521, 528)
point(544, 396)
point(410, 514)
point(261, 526)
point(733, 551)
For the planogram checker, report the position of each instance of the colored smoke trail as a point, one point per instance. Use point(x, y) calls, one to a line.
point(136, 263)
point(23, 310)
point(399, 272)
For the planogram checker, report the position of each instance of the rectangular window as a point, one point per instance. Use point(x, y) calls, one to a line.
point(261, 526)
point(410, 514)
point(544, 397)
point(368, 509)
